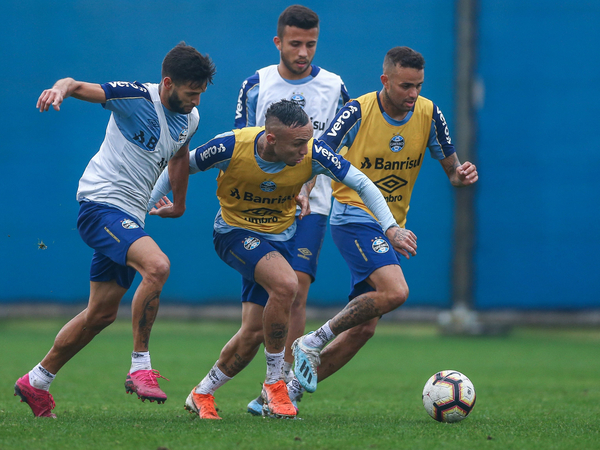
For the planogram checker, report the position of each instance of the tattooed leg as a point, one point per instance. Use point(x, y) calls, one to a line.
point(154, 267)
point(244, 345)
point(144, 316)
point(278, 278)
point(362, 309)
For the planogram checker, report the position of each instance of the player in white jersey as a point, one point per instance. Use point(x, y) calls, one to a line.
point(150, 125)
point(321, 94)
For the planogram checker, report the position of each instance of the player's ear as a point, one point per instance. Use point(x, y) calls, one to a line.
point(384, 80)
point(277, 42)
point(168, 83)
point(270, 138)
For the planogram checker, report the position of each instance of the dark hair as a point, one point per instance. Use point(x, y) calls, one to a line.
point(297, 16)
point(184, 64)
point(405, 57)
point(289, 113)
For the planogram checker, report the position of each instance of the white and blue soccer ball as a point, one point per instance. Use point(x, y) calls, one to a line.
point(449, 396)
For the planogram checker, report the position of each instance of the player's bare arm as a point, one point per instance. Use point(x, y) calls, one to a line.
point(303, 203)
point(302, 199)
point(459, 174)
point(404, 241)
point(68, 87)
point(179, 173)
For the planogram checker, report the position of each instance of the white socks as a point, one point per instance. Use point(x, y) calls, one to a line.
point(275, 363)
point(140, 361)
point(40, 378)
point(319, 338)
point(287, 372)
point(212, 381)
point(295, 390)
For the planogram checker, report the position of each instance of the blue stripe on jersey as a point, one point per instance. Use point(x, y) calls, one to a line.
point(344, 96)
point(333, 165)
point(125, 89)
point(218, 150)
point(178, 125)
point(341, 128)
point(442, 133)
point(245, 112)
point(135, 115)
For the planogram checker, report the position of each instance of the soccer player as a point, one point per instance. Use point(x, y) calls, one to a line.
point(386, 133)
point(150, 124)
point(321, 94)
point(262, 172)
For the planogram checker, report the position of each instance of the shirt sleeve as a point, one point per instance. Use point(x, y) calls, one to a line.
point(344, 127)
point(326, 161)
point(344, 97)
point(123, 97)
point(161, 188)
point(216, 153)
point(439, 144)
point(245, 111)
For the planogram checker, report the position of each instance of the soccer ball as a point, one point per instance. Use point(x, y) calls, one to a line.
point(449, 396)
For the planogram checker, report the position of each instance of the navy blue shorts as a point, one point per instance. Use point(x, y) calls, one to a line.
point(242, 250)
point(110, 232)
point(310, 232)
point(365, 248)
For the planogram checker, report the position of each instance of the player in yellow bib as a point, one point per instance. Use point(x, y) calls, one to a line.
point(386, 135)
point(262, 172)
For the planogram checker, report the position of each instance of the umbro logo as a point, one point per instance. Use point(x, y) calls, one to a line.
point(262, 211)
point(390, 183)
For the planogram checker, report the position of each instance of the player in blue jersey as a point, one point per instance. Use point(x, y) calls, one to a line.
point(262, 171)
point(321, 94)
point(150, 125)
point(386, 134)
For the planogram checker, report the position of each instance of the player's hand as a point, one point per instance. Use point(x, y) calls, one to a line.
point(302, 202)
point(49, 97)
point(164, 208)
point(467, 173)
point(404, 241)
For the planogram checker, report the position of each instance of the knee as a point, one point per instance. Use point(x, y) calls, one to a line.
point(252, 336)
point(362, 333)
point(396, 296)
point(157, 271)
point(285, 290)
point(98, 321)
point(299, 305)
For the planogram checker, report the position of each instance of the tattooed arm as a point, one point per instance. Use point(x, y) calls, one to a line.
point(459, 174)
point(403, 240)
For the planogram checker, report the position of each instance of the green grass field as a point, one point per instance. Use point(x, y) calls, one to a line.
point(536, 388)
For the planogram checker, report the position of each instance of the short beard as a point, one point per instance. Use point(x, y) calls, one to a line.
point(290, 67)
point(175, 104)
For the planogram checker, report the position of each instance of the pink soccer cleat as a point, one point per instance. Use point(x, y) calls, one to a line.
point(145, 384)
point(41, 402)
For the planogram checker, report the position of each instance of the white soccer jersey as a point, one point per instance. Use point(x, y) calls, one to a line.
point(139, 143)
point(320, 99)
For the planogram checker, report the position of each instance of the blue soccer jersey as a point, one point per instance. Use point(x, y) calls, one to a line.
point(141, 137)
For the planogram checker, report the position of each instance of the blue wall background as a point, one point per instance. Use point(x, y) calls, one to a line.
point(537, 199)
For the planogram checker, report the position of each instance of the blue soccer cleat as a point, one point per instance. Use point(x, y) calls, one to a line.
point(306, 361)
point(255, 407)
